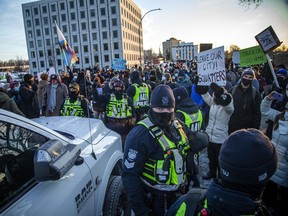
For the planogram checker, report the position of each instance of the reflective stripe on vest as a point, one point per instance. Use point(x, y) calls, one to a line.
point(72, 109)
point(118, 108)
point(170, 173)
point(193, 121)
point(141, 97)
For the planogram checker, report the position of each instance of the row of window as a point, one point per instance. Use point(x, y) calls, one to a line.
point(62, 6)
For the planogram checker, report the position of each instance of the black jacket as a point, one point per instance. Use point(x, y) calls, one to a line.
point(29, 104)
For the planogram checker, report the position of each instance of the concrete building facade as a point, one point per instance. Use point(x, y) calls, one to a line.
point(167, 47)
point(184, 51)
point(97, 30)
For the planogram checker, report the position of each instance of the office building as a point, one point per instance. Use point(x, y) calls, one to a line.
point(167, 47)
point(97, 30)
point(184, 52)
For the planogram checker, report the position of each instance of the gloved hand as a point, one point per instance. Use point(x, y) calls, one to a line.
point(200, 89)
point(216, 89)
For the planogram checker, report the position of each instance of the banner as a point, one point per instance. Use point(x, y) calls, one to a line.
point(211, 67)
point(252, 56)
point(68, 54)
point(119, 64)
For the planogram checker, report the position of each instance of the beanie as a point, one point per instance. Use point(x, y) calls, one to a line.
point(180, 93)
point(134, 76)
point(248, 71)
point(282, 72)
point(27, 77)
point(162, 96)
point(247, 157)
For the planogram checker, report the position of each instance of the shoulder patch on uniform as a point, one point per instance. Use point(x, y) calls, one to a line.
point(132, 154)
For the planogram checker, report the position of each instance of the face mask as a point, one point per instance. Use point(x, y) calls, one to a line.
point(30, 82)
point(246, 82)
point(163, 119)
point(281, 81)
point(73, 94)
point(16, 89)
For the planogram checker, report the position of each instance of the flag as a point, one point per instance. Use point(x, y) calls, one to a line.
point(68, 54)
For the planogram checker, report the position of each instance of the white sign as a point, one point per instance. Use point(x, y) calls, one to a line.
point(236, 57)
point(211, 67)
point(268, 39)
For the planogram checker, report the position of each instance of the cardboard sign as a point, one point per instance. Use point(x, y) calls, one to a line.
point(252, 56)
point(236, 57)
point(119, 64)
point(268, 39)
point(211, 67)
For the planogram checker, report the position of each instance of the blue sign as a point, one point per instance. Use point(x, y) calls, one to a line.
point(119, 64)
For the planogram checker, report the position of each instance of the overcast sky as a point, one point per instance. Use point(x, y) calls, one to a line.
point(221, 22)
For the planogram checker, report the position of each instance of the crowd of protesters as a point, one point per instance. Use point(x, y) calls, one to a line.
point(121, 98)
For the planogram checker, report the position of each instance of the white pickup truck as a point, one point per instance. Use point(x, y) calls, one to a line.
point(59, 166)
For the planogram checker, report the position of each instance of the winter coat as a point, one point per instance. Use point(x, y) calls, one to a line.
point(217, 128)
point(9, 104)
point(29, 104)
point(280, 141)
point(61, 94)
point(40, 90)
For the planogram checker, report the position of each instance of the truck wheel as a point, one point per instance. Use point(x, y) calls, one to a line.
point(116, 202)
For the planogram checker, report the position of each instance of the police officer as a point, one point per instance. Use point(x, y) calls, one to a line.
point(243, 176)
point(189, 113)
point(154, 165)
point(76, 104)
point(120, 112)
point(140, 93)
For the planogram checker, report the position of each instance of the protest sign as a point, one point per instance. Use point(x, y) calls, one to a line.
point(211, 67)
point(252, 56)
point(268, 39)
point(236, 57)
point(119, 64)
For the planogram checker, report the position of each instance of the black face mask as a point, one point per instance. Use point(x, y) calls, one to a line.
point(246, 82)
point(73, 94)
point(281, 81)
point(30, 82)
point(163, 119)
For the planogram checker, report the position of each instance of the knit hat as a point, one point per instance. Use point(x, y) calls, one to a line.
point(180, 93)
point(248, 71)
point(162, 96)
point(247, 157)
point(134, 76)
point(54, 77)
point(282, 71)
point(27, 77)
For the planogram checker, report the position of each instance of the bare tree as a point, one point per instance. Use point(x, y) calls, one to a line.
point(249, 3)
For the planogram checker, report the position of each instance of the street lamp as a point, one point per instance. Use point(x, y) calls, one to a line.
point(139, 31)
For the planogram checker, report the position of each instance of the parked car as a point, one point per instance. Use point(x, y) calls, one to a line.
point(59, 166)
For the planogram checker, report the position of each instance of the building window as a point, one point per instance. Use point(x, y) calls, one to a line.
point(85, 48)
point(72, 15)
point(115, 34)
point(74, 38)
point(54, 18)
point(81, 3)
point(93, 25)
point(34, 64)
point(35, 11)
point(44, 9)
point(105, 46)
point(113, 10)
point(49, 53)
point(30, 34)
point(45, 20)
point(28, 23)
point(106, 58)
point(27, 12)
point(41, 54)
point(96, 58)
point(64, 28)
point(112, 0)
point(39, 43)
point(83, 26)
point(91, 2)
point(73, 27)
point(82, 14)
point(102, 12)
point(57, 51)
point(114, 22)
point(71, 4)
point(47, 42)
point(103, 23)
point(102, 1)
point(116, 56)
point(86, 60)
point(92, 13)
point(116, 46)
point(37, 22)
point(31, 44)
point(59, 62)
point(33, 54)
point(38, 32)
point(76, 50)
point(62, 6)
point(95, 47)
point(84, 37)
point(104, 35)
point(63, 17)
point(42, 64)
point(94, 36)
point(53, 8)
point(46, 31)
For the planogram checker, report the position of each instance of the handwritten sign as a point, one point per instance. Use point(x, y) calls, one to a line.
point(268, 39)
point(119, 64)
point(252, 56)
point(211, 67)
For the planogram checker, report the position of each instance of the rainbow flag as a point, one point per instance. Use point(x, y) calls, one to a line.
point(68, 54)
